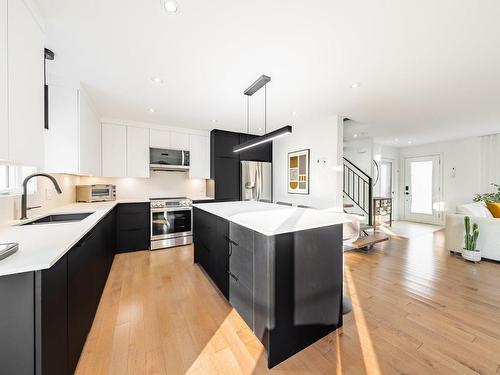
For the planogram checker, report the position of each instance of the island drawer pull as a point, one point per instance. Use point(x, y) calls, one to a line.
point(231, 241)
point(233, 276)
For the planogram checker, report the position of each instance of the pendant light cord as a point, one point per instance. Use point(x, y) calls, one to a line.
point(248, 115)
point(265, 108)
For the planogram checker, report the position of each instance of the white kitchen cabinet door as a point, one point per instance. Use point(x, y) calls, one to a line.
point(4, 105)
point(179, 141)
point(199, 156)
point(25, 78)
point(90, 138)
point(61, 139)
point(114, 150)
point(137, 152)
point(159, 139)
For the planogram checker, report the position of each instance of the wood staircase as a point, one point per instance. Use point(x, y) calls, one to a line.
point(358, 187)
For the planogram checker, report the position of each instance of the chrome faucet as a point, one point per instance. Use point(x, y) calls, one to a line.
point(24, 198)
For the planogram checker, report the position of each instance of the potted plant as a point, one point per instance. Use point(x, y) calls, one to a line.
point(470, 251)
point(489, 197)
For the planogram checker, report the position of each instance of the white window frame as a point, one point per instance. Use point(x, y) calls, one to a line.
point(15, 176)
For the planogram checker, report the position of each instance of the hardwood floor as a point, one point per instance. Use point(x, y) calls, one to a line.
point(416, 310)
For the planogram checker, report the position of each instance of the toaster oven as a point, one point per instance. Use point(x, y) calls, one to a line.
point(95, 193)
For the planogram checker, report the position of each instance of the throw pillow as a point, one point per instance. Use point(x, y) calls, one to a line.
point(494, 209)
point(477, 209)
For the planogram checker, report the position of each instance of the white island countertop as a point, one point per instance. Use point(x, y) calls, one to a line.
point(41, 246)
point(272, 219)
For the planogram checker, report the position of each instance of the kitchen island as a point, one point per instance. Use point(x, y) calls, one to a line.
point(280, 267)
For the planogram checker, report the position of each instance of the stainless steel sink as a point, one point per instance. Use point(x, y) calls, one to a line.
point(60, 218)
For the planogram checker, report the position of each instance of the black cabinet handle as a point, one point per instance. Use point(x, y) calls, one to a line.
point(231, 241)
point(84, 239)
point(233, 276)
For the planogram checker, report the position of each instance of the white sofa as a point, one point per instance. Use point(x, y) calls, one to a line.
point(489, 230)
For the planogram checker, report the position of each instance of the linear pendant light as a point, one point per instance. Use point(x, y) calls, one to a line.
point(268, 137)
point(285, 130)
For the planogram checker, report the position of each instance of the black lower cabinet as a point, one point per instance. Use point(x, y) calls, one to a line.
point(17, 324)
point(211, 235)
point(53, 315)
point(82, 294)
point(133, 227)
point(46, 315)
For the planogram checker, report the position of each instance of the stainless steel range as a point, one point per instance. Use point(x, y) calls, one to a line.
point(171, 222)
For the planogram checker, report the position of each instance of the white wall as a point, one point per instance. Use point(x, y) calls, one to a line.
point(464, 156)
point(360, 152)
point(324, 139)
point(159, 185)
point(46, 196)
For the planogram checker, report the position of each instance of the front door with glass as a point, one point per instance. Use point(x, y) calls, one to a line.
point(422, 189)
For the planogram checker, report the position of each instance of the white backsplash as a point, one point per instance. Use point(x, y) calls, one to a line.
point(159, 185)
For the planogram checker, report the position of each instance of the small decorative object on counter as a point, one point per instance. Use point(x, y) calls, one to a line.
point(7, 249)
point(470, 251)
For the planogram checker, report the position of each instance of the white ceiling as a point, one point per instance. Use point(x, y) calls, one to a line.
point(429, 70)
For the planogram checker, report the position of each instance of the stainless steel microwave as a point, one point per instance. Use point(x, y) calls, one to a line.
point(95, 193)
point(168, 160)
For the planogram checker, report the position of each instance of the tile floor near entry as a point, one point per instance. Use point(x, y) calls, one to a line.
point(416, 310)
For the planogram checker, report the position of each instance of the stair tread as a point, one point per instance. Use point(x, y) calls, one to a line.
point(368, 240)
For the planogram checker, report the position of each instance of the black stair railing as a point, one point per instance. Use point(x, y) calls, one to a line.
point(358, 187)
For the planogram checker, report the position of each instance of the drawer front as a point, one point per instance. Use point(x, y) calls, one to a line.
point(133, 216)
point(241, 235)
point(133, 240)
point(241, 298)
point(241, 264)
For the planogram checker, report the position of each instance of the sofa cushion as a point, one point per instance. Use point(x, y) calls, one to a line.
point(477, 209)
point(494, 209)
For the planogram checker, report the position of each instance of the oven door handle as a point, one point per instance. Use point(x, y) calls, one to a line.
point(171, 209)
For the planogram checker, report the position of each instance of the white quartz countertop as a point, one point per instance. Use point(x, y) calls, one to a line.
point(272, 219)
point(41, 246)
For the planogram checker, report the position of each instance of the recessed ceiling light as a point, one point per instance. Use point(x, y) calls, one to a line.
point(355, 136)
point(355, 85)
point(294, 113)
point(410, 142)
point(396, 139)
point(213, 121)
point(151, 110)
point(157, 80)
point(259, 129)
point(170, 6)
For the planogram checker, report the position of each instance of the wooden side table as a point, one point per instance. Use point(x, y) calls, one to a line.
point(382, 207)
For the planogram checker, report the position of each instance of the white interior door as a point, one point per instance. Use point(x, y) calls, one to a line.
point(422, 189)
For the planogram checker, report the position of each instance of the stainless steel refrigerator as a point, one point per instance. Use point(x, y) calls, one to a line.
point(256, 181)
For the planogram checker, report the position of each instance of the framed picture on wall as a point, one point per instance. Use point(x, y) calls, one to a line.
point(298, 172)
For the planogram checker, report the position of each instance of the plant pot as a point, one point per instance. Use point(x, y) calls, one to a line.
point(471, 256)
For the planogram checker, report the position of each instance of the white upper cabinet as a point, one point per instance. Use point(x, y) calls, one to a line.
point(25, 52)
point(159, 139)
point(4, 104)
point(199, 156)
point(114, 150)
point(179, 141)
point(61, 139)
point(137, 152)
point(90, 137)
point(73, 140)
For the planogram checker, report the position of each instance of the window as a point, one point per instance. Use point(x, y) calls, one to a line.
point(12, 177)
